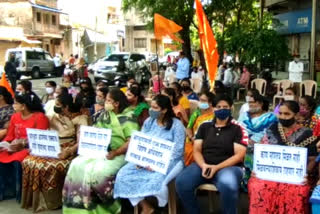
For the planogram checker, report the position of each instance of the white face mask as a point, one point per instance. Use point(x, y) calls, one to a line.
point(55, 95)
point(248, 99)
point(289, 97)
point(49, 90)
point(129, 84)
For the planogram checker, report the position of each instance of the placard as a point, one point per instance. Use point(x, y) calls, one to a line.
point(280, 163)
point(44, 143)
point(94, 142)
point(148, 151)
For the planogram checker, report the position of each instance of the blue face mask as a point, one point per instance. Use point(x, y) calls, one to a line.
point(203, 106)
point(222, 114)
point(154, 114)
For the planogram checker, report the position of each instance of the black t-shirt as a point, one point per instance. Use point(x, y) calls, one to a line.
point(218, 143)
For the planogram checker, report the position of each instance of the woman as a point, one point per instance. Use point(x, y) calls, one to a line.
point(29, 114)
point(183, 101)
point(25, 87)
point(89, 183)
point(281, 198)
point(201, 115)
point(97, 109)
point(219, 149)
point(50, 87)
point(245, 107)
point(87, 96)
point(6, 111)
point(43, 178)
point(289, 94)
point(306, 115)
point(136, 183)
point(49, 106)
point(138, 104)
point(177, 108)
point(187, 90)
point(256, 121)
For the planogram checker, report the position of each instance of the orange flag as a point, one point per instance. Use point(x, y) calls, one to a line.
point(4, 82)
point(208, 43)
point(164, 27)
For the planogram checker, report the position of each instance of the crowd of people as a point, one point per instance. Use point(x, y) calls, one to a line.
point(209, 145)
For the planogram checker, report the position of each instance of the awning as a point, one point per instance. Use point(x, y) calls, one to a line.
point(15, 34)
point(92, 37)
point(54, 10)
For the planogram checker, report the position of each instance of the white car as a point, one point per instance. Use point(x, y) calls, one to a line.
point(164, 60)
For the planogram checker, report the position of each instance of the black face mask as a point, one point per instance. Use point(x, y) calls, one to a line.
point(186, 88)
point(287, 123)
point(57, 109)
point(85, 90)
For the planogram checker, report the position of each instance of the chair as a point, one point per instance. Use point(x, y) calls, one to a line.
point(242, 89)
point(172, 205)
point(282, 85)
point(309, 87)
point(196, 85)
point(210, 188)
point(193, 105)
point(260, 85)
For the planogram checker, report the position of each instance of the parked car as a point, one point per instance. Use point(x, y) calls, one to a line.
point(163, 61)
point(92, 67)
point(32, 61)
point(120, 66)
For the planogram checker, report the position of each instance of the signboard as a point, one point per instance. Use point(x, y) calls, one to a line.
point(44, 143)
point(148, 151)
point(94, 142)
point(280, 163)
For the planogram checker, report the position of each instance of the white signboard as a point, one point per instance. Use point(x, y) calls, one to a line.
point(94, 142)
point(44, 143)
point(148, 151)
point(280, 163)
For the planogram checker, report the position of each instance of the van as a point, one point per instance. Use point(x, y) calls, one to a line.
point(32, 61)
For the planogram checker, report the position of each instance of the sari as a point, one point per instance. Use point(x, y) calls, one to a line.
point(88, 187)
point(281, 198)
point(195, 121)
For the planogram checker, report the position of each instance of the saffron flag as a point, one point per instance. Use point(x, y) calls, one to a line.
point(164, 27)
point(4, 82)
point(208, 43)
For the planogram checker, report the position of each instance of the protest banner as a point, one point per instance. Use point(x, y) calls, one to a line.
point(94, 142)
point(280, 163)
point(44, 143)
point(148, 151)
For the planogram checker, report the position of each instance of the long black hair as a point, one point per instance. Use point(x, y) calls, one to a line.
point(311, 103)
point(26, 84)
point(136, 91)
point(118, 96)
point(164, 103)
point(6, 95)
point(66, 100)
point(172, 93)
point(32, 102)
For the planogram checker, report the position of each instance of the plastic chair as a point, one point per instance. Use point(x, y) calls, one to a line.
point(310, 88)
point(172, 205)
point(210, 188)
point(260, 85)
point(196, 85)
point(194, 104)
point(242, 89)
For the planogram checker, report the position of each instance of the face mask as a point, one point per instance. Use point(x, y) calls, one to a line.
point(57, 109)
point(49, 90)
point(100, 101)
point(254, 110)
point(222, 114)
point(248, 98)
point(55, 95)
point(129, 84)
point(203, 106)
point(154, 114)
point(85, 90)
point(288, 98)
point(19, 93)
point(303, 111)
point(108, 107)
point(287, 123)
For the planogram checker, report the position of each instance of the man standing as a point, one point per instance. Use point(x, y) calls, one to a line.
point(183, 67)
point(11, 71)
point(57, 65)
point(295, 69)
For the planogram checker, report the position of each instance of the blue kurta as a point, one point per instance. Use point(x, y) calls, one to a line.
point(136, 184)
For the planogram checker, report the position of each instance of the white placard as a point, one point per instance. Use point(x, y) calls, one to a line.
point(44, 143)
point(94, 142)
point(148, 151)
point(284, 164)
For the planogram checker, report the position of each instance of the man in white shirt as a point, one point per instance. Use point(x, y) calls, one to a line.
point(295, 70)
point(228, 76)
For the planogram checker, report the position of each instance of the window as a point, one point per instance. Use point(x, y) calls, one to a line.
point(33, 55)
point(48, 57)
point(137, 57)
point(54, 20)
point(46, 19)
point(140, 43)
point(137, 28)
point(39, 17)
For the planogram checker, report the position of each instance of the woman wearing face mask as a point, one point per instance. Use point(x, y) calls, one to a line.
point(187, 90)
point(138, 104)
point(49, 106)
point(282, 198)
point(6, 111)
point(50, 89)
point(219, 150)
point(306, 115)
point(137, 183)
point(183, 100)
point(97, 109)
point(177, 108)
point(203, 114)
point(88, 187)
point(29, 114)
point(42, 193)
point(256, 121)
point(245, 107)
point(87, 96)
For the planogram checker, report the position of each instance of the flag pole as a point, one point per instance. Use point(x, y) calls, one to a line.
point(158, 69)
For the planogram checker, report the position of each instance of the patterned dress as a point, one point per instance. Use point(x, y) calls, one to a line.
point(88, 187)
point(130, 179)
point(43, 178)
point(282, 198)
